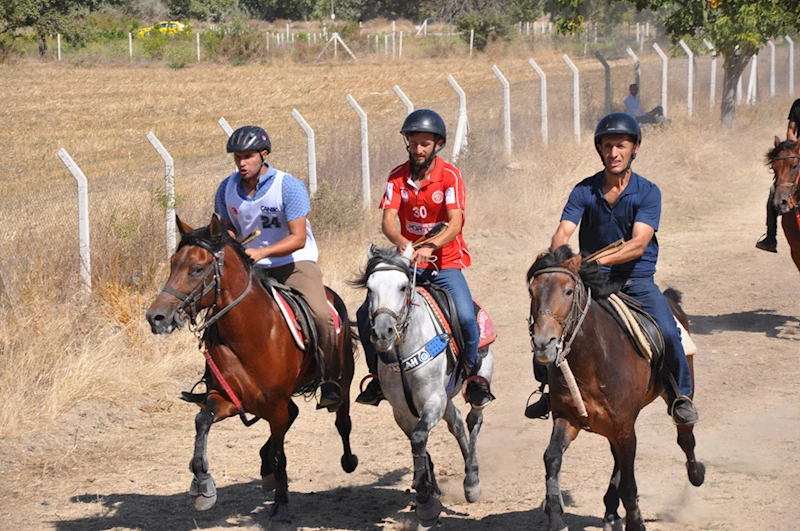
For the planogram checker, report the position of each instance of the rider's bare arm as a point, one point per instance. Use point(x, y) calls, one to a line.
point(563, 234)
point(389, 226)
point(294, 241)
point(633, 248)
point(790, 135)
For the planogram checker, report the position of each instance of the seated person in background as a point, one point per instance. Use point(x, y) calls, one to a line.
point(632, 107)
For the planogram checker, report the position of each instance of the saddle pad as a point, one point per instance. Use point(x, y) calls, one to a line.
point(291, 319)
point(488, 332)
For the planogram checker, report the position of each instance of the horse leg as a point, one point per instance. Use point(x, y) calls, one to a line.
point(203, 490)
point(344, 425)
point(563, 434)
point(280, 518)
point(472, 483)
point(455, 424)
point(267, 476)
point(428, 506)
point(628, 492)
point(695, 468)
point(612, 520)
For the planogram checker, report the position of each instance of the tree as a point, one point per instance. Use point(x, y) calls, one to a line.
point(45, 17)
point(736, 28)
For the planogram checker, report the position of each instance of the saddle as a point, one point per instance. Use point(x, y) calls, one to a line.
point(444, 311)
point(642, 325)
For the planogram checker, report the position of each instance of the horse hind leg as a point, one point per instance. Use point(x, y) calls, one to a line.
point(268, 482)
point(612, 520)
point(343, 426)
point(455, 423)
point(472, 484)
point(696, 469)
point(563, 434)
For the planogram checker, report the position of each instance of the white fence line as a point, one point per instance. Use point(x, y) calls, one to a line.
point(365, 192)
point(83, 218)
point(169, 191)
point(607, 69)
point(542, 97)
point(312, 151)
point(402, 95)
point(462, 127)
point(791, 65)
point(752, 83)
point(690, 82)
point(771, 68)
point(506, 108)
point(576, 97)
point(713, 89)
point(637, 66)
point(664, 61)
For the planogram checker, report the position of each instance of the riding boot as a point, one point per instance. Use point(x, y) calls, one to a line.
point(373, 394)
point(541, 408)
point(770, 241)
point(198, 398)
point(478, 393)
point(330, 391)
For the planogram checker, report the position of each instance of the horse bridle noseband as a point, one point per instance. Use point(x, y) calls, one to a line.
point(575, 316)
point(189, 301)
point(405, 312)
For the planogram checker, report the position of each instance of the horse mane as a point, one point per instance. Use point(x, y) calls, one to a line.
point(202, 237)
point(386, 255)
point(590, 272)
point(786, 145)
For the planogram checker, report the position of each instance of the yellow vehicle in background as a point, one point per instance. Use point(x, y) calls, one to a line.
point(170, 28)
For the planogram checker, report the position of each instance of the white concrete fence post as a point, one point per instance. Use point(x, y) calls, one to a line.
point(59, 47)
point(791, 65)
point(664, 61)
point(607, 69)
point(462, 127)
point(223, 123)
point(637, 67)
point(771, 68)
point(83, 218)
point(690, 80)
point(365, 192)
point(713, 89)
point(752, 83)
point(402, 95)
point(542, 97)
point(471, 39)
point(506, 108)
point(400, 50)
point(169, 192)
point(312, 152)
point(576, 98)
point(198, 47)
point(130, 46)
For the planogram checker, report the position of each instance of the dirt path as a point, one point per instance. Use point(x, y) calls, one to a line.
point(105, 470)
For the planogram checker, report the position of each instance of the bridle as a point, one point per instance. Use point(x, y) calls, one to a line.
point(581, 297)
point(402, 318)
point(794, 184)
point(212, 280)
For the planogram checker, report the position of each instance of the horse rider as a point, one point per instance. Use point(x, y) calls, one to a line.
point(770, 241)
point(258, 196)
point(420, 193)
point(614, 204)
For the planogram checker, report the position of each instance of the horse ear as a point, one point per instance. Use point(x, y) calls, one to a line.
point(574, 263)
point(777, 141)
point(408, 252)
point(183, 228)
point(371, 251)
point(216, 225)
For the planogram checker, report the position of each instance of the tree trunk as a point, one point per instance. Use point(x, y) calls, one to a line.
point(42, 44)
point(734, 67)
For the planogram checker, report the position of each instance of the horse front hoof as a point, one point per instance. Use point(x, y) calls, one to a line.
point(614, 524)
point(428, 512)
point(280, 519)
point(204, 503)
point(349, 464)
point(697, 472)
point(472, 492)
point(268, 483)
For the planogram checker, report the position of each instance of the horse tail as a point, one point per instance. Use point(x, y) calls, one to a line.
point(675, 298)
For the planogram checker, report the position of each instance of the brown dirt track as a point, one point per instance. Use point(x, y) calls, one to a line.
point(108, 468)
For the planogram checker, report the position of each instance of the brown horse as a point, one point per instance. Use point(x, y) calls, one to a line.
point(614, 380)
point(784, 159)
point(251, 345)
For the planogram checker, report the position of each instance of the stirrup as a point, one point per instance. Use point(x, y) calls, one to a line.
point(361, 390)
point(195, 398)
point(484, 384)
point(333, 406)
point(528, 404)
point(680, 400)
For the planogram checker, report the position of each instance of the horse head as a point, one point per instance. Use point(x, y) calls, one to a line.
point(556, 291)
point(784, 159)
point(194, 282)
point(389, 283)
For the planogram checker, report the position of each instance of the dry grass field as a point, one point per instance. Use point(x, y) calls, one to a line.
point(87, 394)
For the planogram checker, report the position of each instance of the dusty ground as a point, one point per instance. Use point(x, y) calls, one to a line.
point(101, 469)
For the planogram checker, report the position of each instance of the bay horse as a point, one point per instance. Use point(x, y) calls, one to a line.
point(417, 382)
point(784, 159)
point(614, 380)
point(254, 351)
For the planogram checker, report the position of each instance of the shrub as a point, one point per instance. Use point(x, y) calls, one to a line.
point(488, 26)
point(154, 44)
point(179, 56)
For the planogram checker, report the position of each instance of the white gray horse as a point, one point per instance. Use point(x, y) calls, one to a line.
point(421, 387)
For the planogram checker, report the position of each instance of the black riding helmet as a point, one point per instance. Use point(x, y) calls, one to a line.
point(249, 138)
point(424, 121)
point(617, 123)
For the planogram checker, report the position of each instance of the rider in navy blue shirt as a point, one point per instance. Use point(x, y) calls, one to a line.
point(620, 204)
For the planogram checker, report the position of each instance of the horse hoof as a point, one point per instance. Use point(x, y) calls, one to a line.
point(268, 483)
point(349, 464)
point(204, 503)
point(428, 512)
point(472, 493)
point(697, 472)
point(612, 525)
point(280, 519)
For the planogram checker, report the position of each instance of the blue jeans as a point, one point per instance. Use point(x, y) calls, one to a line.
point(653, 302)
point(453, 281)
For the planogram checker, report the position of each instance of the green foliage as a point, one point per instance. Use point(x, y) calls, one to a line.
point(179, 55)
point(154, 44)
point(214, 10)
point(236, 42)
point(489, 26)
